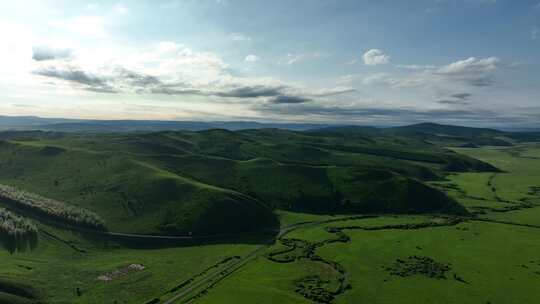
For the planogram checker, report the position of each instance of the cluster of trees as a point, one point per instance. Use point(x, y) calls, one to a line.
point(16, 233)
point(50, 208)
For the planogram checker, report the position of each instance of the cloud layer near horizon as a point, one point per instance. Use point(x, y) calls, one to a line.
point(170, 69)
point(91, 61)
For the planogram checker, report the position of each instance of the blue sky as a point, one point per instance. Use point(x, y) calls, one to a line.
point(472, 62)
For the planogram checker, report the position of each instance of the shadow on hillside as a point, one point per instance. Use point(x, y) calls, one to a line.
point(167, 240)
point(150, 242)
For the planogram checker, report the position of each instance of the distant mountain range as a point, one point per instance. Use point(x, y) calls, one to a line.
point(106, 126)
point(99, 126)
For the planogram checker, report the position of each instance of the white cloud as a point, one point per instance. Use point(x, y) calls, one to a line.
point(415, 67)
point(375, 57)
point(394, 81)
point(239, 37)
point(470, 65)
point(176, 63)
point(296, 58)
point(86, 26)
point(170, 67)
point(251, 58)
point(326, 92)
point(346, 79)
point(120, 9)
point(16, 50)
point(472, 71)
point(475, 72)
point(166, 61)
point(535, 33)
point(379, 78)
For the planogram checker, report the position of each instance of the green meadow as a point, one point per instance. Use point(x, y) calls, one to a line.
point(65, 268)
point(492, 258)
point(271, 216)
point(491, 271)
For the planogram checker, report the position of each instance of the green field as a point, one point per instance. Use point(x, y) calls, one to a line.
point(494, 260)
point(492, 274)
point(277, 217)
point(64, 262)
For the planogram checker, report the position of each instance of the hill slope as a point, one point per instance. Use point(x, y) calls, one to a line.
point(131, 196)
point(219, 181)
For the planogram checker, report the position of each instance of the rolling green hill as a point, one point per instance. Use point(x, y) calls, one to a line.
point(130, 195)
point(219, 181)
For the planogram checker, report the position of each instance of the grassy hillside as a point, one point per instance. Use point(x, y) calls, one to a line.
point(130, 195)
point(222, 175)
point(220, 181)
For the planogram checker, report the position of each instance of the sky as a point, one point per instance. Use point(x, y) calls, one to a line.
point(469, 62)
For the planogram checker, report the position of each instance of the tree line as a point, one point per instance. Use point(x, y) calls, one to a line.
point(42, 206)
point(16, 233)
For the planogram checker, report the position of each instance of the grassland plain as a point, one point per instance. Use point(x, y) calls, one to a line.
point(489, 262)
point(517, 186)
point(481, 270)
point(518, 176)
point(474, 251)
point(66, 266)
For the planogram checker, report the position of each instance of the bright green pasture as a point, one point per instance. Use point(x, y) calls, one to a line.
point(263, 282)
point(520, 174)
point(319, 234)
point(482, 254)
point(473, 184)
point(287, 218)
point(498, 261)
point(524, 216)
point(59, 270)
